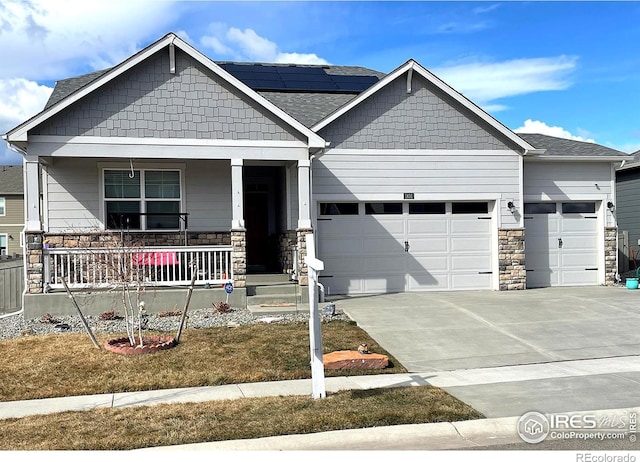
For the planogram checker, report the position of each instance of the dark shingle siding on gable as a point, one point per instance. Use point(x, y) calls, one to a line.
point(11, 180)
point(564, 147)
point(306, 107)
point(150, 102)
point(423, 119)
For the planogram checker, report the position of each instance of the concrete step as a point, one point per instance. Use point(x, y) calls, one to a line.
point(267, 279)
point(284, 288)
point(272, 299)
point(258, 310)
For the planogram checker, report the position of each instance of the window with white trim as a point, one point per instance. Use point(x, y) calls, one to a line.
point(142, 199)
point(3, 207)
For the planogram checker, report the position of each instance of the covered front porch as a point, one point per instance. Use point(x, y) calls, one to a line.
point(232, 218)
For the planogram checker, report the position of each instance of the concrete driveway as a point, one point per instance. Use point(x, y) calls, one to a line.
point(506, 353)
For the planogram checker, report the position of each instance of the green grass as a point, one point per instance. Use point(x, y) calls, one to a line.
point(69, 364)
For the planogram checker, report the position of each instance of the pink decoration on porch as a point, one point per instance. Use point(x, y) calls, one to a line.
point(155, 259)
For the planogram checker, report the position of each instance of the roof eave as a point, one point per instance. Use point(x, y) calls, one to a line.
point(578, 158)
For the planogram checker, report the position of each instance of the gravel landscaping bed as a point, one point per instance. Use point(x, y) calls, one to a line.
point(17, 326)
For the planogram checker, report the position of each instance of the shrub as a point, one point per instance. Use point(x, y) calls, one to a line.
point(110, 316)
point(222, 307)
point(48, 318)
point(166, 314)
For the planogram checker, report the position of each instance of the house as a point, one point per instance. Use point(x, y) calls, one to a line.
point(11, 209)
point(403, 183)
point(628, 212)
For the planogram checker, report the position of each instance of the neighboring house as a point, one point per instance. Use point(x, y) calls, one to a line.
point(628, 212)
point(405, 183)
point(11, 209)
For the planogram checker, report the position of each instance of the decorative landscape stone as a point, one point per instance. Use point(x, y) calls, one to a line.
point(349, 359)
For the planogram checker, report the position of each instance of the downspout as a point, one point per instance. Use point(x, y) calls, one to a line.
point(23, 153)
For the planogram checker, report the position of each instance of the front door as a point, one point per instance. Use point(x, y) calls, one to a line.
point(257, 223)
point(263, 199)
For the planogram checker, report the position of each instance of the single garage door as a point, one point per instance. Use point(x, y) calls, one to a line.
point(561, 241)
point(379, 247)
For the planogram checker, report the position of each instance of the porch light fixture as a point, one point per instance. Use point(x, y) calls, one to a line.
point(511, 207)
point(610, 206)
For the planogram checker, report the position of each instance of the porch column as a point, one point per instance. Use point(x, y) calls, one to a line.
point(32, 194)
point(34, 258)
point(304, 194)
point(238, 231)
point(237, 195)
point(304, 218)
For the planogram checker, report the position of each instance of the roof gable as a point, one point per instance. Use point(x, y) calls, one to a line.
point(405, 73)
point(20, 133)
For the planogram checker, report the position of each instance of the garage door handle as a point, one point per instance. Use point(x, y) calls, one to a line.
point(406, 246)
point(560, 242)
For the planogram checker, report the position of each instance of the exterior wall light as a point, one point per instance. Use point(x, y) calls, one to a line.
point(610, 206)
point(511, 207)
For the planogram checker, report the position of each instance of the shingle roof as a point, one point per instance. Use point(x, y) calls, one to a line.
point(65, 87)
point(308, 107)
point(11, 179)
point(564, 147)
point(633, 162)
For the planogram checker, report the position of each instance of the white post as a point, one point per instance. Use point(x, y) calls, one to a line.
point(237, 195)
point(315, 335)
point(32, 194)
point(304, 194)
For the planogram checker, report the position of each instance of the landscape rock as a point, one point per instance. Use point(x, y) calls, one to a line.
point(349, 359)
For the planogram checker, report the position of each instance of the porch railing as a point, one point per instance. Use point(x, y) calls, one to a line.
point(85, 268)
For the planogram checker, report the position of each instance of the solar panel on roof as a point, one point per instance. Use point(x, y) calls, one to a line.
point(297, 78)
point(310, 85)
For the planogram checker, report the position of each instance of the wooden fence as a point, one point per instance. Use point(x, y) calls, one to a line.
point(11, 284)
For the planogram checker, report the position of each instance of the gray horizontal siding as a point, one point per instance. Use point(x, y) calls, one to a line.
point(14, 210)
point(462, 175)
point(73, 196)
point(628, 205)
point(567, 180)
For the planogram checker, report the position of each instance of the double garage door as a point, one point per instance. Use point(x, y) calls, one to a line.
point(374, 247)
point(561, 240)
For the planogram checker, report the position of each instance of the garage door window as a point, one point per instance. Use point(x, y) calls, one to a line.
point(338, 208)
point(578, 207)
point(469, 207)
point(426, 208)
point(540, 208)
point(383, 208)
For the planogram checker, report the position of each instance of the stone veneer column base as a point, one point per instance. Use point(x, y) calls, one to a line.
point(303, 273)
point(34, 260)
point(513, 275)
point(610, 254)
point(239, 257)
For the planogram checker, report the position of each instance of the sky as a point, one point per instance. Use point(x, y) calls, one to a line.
point(567, 69)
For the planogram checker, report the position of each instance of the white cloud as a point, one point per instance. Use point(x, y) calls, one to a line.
point(536, 126)
point(20, 99)
point(63, 34)
point(484, 82)
point(247, 45)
